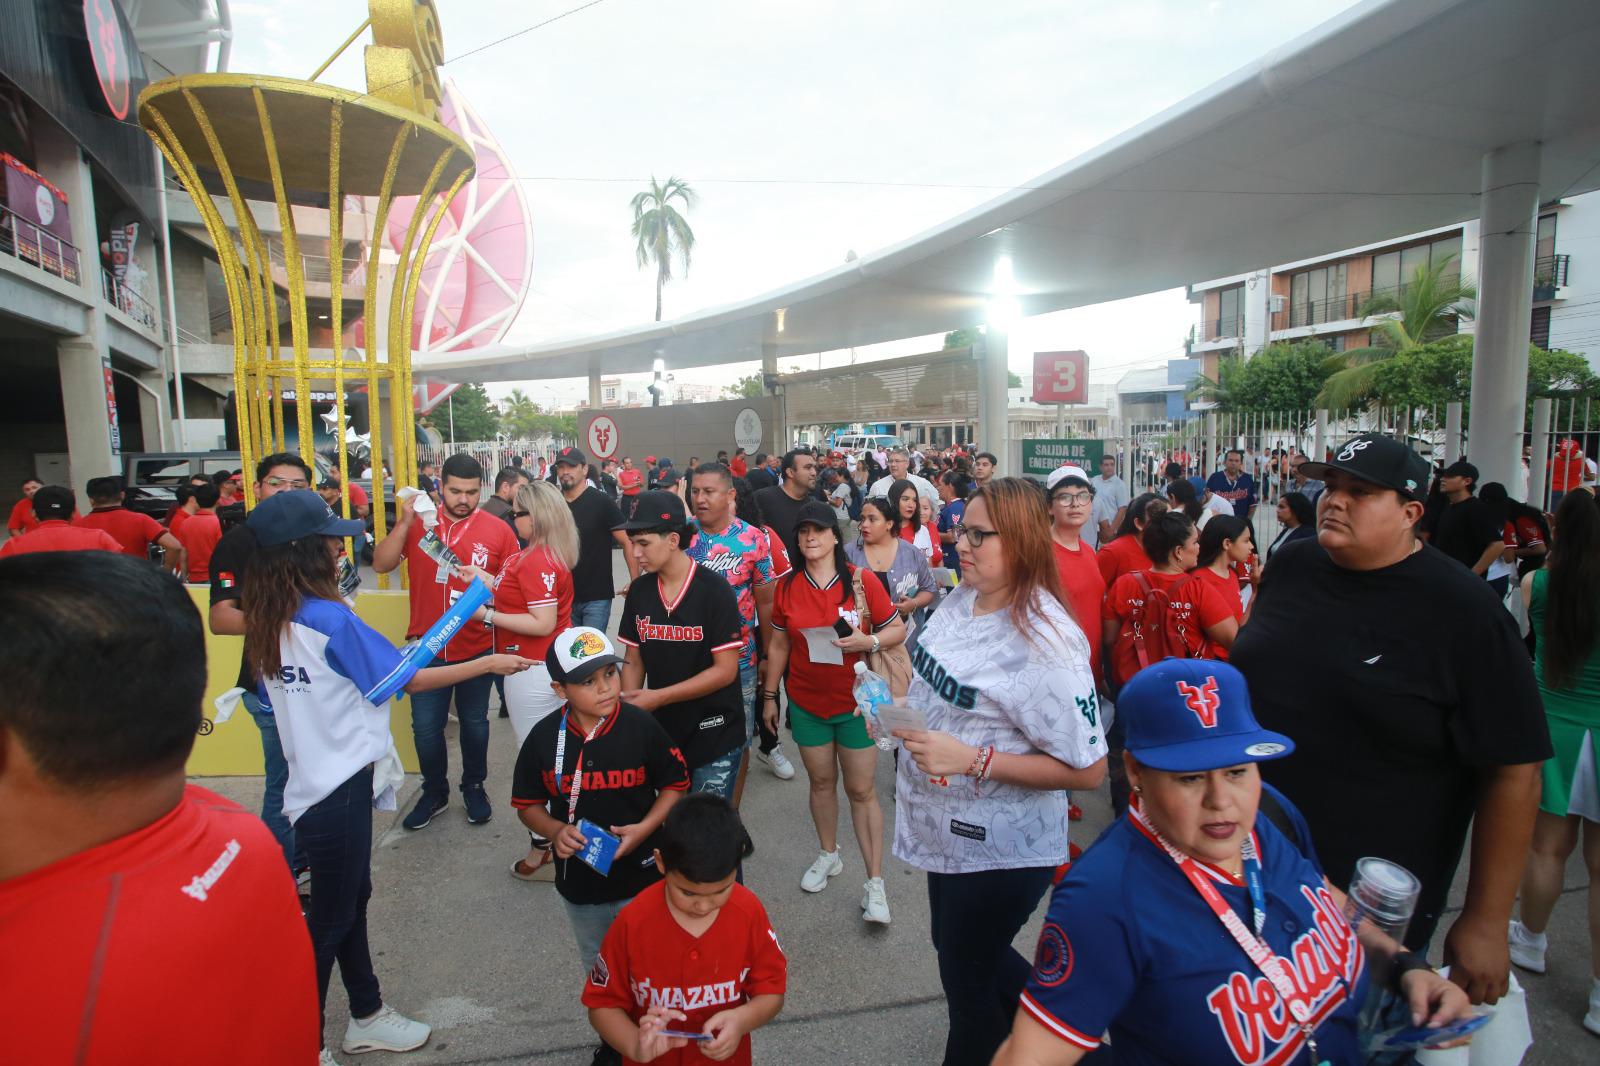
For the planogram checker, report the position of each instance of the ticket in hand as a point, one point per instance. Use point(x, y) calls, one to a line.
point(599, 847)
point(892, 716)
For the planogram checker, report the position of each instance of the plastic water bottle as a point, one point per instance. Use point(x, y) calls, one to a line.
point(871, 692)
point(1383, 896)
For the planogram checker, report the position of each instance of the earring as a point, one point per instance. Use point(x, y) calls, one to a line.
point(1137, 789)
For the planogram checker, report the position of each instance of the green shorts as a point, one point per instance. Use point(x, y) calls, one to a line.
point(847, 730)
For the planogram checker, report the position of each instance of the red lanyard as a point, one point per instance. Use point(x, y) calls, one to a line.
point(1265, 959)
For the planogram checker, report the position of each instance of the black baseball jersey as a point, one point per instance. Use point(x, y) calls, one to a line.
point(625, 765)
point(677, 641)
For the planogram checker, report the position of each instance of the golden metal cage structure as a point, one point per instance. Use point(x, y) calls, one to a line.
point(239, 139)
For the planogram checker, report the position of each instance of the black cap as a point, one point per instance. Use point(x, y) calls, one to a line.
point(571, 457)
point(1460, 468)
point(1379, 459)
point(816, 513)
point(653, 510)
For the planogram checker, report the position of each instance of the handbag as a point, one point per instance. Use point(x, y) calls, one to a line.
point(891, 664)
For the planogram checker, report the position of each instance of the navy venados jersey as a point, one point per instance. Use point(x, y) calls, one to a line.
point(1129, 946)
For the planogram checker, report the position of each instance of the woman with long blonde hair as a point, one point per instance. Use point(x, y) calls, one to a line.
point(532, 603)
point(1004, 682)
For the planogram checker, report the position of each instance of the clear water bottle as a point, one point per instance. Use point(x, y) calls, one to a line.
point(1383, 896)
point(871, 692)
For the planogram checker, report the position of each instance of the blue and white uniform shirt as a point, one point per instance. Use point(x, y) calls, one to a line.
point(1130, 947)
point(331, 697)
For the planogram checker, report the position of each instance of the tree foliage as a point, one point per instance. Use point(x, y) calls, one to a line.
point(1280, 377)
point(660, 231)
point(746, 388)
point(523, 419)
point(963, 338)
point(470, 411)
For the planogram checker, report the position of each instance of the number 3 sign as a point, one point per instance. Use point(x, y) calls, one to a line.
point(1060, 377)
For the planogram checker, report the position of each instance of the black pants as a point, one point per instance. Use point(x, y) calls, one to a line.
point(974, 917)
point(336, 834)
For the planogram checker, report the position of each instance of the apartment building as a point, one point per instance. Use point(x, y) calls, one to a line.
point(1321, 297)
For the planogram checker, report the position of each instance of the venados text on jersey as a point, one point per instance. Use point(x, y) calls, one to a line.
point(595, 780)
point(648, 630)
point(1253, 1019)
point(949, 689)
point(692, 998)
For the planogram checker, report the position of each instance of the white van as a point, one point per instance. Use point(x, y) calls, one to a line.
point(856, 443)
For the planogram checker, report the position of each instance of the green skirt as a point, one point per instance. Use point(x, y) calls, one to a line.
point(1570, 776)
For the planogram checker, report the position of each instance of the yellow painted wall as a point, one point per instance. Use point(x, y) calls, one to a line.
point(234, 748)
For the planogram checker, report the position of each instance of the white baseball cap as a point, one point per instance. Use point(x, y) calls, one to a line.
point(1062, 473)
point(578, 652)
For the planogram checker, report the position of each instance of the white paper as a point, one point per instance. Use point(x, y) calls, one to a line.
point(819, 645)
point(892, 716)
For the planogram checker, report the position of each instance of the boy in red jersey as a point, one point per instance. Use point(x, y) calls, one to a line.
point(119, 884)
point(694, 953)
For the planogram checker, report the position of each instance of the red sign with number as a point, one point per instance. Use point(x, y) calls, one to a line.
point(1060, 377)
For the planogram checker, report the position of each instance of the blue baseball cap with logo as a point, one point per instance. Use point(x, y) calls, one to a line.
point(1190, 715)
point(286, 516)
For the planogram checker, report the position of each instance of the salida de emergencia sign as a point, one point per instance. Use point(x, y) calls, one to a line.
point(1039, 457)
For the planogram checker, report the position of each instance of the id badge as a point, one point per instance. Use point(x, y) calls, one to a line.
point(600, 847)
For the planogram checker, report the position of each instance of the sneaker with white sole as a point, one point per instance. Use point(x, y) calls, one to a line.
point(1527, 949)
point(777, 762)
point(387, 1030)
point(828, 864)
point(1591, 1021)
point(875, 901)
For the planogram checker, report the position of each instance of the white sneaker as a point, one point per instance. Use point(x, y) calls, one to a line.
point(828, 865)
point(1527, 949)
point(387, 1030)
point(1591, 1021)
point(327, 1059)
point(777, 762)
point(875, 901)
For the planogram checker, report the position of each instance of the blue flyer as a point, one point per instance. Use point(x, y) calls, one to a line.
point(600, 847)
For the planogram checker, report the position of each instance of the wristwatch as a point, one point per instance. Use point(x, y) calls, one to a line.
point(488, 618)
point(876, 645)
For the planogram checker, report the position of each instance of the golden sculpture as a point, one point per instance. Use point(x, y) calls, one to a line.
point(300, 143)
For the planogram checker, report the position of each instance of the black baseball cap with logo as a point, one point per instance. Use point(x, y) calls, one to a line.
point(656, 510)
point(570, 456)
point(1379, 459)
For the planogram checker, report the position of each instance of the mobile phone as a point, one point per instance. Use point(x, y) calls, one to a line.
point(841, 627)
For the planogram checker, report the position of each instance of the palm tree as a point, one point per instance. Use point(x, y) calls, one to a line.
point(1425, 309)
point(661, 231)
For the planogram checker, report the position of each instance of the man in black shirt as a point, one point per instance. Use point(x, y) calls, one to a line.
point(684, 634)
point(1421, 715)
point(597, 519)
point(780, 504)
point(1467, 532)
point(761, 475)
point(229, 560)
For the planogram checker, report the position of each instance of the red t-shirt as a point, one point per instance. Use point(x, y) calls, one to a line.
point(648, 958)
point(480, 540)
point(532, 578)
point(102, 948)
point(199, 536)
point(1225, 587)
point(909, 535)
point(737, 466)
point(22, 516)
point(1125, 592)
point(57, 535)
point(1122, 556)
point(179, 517)
point(134, 531)
point(1085, 591)
point(630, 481)
point(823, 689)
point(1566, 467)
point(778, 555)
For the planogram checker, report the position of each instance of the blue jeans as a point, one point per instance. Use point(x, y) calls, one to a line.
point(589, 924)
point(973, 919)
point(277, 777)
point(747, 693)
point(430, 711)
point(337, 835)
point(596, 613)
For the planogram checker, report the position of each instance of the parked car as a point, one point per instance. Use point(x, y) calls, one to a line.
point(152, 478)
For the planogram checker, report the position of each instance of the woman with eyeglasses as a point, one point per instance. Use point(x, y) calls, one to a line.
point(1004, 682)
point(532, 603)
point(901, 568)
point(1071, 505)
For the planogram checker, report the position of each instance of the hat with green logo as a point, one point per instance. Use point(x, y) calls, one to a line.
point(578, 652)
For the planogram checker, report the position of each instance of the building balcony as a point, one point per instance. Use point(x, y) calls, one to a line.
point(1221, 329)
point(1549, 275)
point(125, 300)
point(31, 244)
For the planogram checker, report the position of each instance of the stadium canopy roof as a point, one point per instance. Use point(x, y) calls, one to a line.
point(1372, 125)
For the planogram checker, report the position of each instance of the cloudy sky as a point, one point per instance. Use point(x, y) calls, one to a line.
point(808, 127)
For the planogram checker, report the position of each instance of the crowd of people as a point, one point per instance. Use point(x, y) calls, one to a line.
point(1411, 660)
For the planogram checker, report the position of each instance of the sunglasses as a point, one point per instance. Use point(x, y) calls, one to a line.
point(521, 514)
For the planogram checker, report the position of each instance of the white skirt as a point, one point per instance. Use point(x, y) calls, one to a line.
point(529, 699)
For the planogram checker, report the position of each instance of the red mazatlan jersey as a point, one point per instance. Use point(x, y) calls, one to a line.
point(99, 944)
point(481, 540)
point(649, 959)
point(530, 579)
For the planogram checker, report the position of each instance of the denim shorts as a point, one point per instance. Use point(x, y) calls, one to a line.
point(719, 775)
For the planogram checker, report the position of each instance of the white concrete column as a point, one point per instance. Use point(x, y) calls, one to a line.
point(1504, 312)
point(1539, 461)
point(1452, 433)
point(84, 395)
point(778, 432)
point(594, 383)
point(992, 377)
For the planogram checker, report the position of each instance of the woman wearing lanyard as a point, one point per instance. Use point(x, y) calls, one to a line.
point(831, 736)
point(1003, 679)
point(1194, 931)
point(532, 603)
point(328, 677)
point(901, 568)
